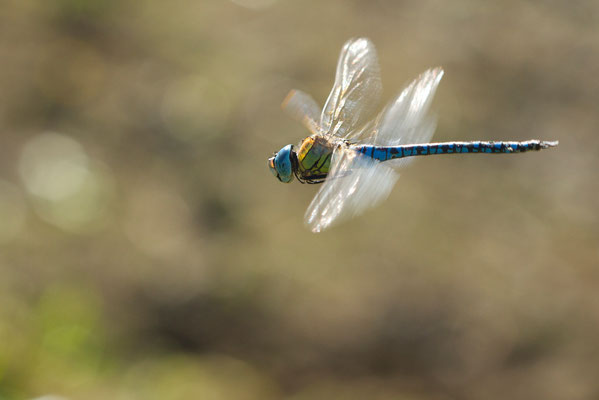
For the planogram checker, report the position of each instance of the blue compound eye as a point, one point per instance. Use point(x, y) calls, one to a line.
point(283, 164)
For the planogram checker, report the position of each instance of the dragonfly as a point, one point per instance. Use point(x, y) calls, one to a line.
point(353, 152)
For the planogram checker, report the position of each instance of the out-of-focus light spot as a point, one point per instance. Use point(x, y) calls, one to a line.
point(195, 107)
point(68, 189)
point(255, 4)
point(13, 212)
point(53, 166)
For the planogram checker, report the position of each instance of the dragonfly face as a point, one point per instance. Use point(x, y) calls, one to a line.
point(282, 164)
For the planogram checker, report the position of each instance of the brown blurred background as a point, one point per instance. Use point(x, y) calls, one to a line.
point(147, 253)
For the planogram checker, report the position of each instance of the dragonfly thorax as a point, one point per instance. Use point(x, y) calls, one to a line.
point(309, 163)
point(284, 164)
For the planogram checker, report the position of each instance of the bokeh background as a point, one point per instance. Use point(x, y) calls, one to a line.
point(146, 252)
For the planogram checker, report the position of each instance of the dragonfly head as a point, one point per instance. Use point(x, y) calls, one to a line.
point(283, 164)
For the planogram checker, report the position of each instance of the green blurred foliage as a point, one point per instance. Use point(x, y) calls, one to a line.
point(146, 251)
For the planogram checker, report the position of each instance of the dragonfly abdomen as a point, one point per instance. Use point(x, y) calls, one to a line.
point(384, 153)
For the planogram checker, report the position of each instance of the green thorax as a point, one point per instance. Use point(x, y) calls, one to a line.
point(314, 158)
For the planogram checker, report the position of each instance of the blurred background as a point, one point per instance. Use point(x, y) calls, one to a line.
point(146, 252)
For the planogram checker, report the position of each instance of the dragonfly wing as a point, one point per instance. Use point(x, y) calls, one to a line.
point(406, 120)
point(355, 183)
point(357, 89)
point(303, 108)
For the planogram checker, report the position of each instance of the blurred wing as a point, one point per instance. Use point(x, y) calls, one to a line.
point(357, 89)
point(355, 183)
point(302, 107)
point(406, 120)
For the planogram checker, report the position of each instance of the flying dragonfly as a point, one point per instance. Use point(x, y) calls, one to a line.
point(355, 156)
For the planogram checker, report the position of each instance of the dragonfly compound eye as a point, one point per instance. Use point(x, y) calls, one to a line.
point(283, 164)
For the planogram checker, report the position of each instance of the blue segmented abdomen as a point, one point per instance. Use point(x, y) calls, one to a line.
point(384, 153)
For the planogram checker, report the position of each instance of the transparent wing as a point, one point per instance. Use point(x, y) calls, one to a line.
point(406, 120)
point(357, 89)
point(355, 183)
point(303, 108)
